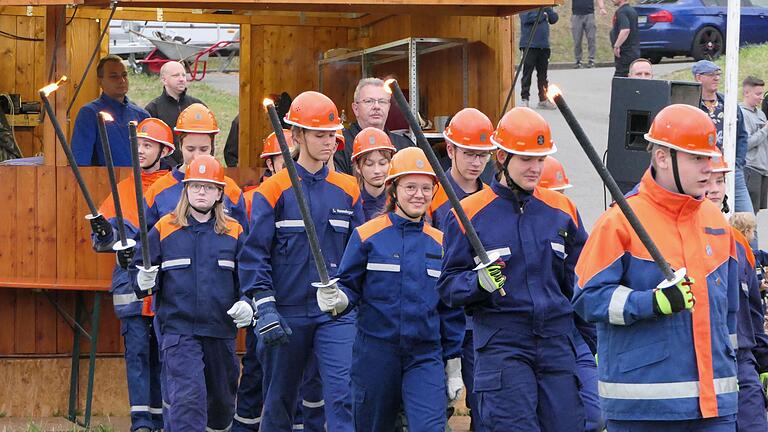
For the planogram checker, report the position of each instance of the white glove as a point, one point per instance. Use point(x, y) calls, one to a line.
point(241, 313)
point(453, 375)
point(147, 277)
point(332, 299)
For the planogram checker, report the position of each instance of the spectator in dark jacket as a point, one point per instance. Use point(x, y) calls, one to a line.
point(231, 150)
point(173, 101)
point(538, 54)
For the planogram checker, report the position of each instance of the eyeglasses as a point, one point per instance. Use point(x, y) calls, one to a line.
point(371, 101)
point(411, 189)
point(472, 155)
point(197, 187)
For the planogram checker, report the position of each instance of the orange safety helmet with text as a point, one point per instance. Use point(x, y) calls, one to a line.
point(553, 175)
point(313, 110)
point(197, 118)
point(470, 129)
point(410, 160)
point(272, 147)
point(205, 168)
point(523, 131)
point(684, 128)
point(156, 130)
point(371, 139)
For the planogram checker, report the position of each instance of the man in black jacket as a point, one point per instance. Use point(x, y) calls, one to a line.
point(173, 101)
point(371, 107)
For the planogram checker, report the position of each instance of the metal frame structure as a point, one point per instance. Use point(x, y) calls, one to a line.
point(404, 49)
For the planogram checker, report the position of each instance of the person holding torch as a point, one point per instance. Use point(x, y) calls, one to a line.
point(524, 349)
point(667, 359)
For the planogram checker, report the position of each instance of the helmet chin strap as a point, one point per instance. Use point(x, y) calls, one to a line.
point(676, 171)
point(725, 208)
point(205, 212)
point(511, 183)
point(397, 203)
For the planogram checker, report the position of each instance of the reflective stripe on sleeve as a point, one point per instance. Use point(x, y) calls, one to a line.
point(616, 306)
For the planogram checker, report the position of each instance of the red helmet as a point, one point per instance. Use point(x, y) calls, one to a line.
point(553, 175)
point(470, 129)
point(523, 131)
point(370, 139)
point(205, 168)
point(340, 140)
point(313, 110)
point(156, 130)
point(684, 128)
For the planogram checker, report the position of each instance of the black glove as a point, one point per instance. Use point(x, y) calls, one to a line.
point(125, 257)
point(100, 226)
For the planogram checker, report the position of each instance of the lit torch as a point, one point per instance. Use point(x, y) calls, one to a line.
point(44, 93)
point(306, 216)
point(393, 88)
point(124, 243)
point(556, 95)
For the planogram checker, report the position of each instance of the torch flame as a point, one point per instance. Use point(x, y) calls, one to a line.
point(388, 84)
point(52, 87)
point(553, 91)
point(267, 102)
point(106, 116)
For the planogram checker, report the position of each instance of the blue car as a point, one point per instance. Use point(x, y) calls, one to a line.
point(695, 28)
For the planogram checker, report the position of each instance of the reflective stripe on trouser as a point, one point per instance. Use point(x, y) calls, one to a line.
point(385, 376)
point(201, 378)
point(330, 340)
point(525, 383)
point(660, 391)
point(751, 415)
point(716, 424)
point(142, 367)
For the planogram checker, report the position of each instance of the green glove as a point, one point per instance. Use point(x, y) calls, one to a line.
point(491, 278)
point(764, 381)
point(675, 298)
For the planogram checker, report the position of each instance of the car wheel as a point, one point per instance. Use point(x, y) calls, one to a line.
point(707, 44)
point(655, 59)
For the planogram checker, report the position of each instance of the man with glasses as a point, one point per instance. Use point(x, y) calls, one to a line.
point(371, 108)
point(712, 102)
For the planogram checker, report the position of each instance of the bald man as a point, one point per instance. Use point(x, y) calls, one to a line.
point(173, 101)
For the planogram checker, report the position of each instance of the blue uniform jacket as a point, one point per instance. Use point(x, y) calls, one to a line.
point(666, 368)
point(86, 144)
point(389, 270)
point(750, 327)
point(161, 198)
point(198, 279)
point(539, 236)
point(372, 206)
point(276, 260)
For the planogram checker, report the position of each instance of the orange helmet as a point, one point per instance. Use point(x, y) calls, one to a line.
point(370, 139)
point(197, 118)
point(272, 147)
point(313, 110)
point(470, 129)
point(684, 128)
point(156, 130)
point(340, 140)
point(410, 160)
point(553, 175)
point(720, 165)
point(205, 168)
point(524, 132)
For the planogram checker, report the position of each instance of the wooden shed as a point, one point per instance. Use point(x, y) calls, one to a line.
point(44, 239)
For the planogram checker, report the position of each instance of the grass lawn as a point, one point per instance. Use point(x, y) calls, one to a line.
point(753, 60)
point(561, 40)
point(144, 88)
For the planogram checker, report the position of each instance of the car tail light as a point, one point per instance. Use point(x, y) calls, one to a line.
point(661, 16)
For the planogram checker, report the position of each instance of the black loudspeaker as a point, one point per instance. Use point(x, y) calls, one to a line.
point(634, 104)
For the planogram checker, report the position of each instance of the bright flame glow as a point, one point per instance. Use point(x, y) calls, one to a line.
point(52, 87)
point(388, 85)
point(106, 116)
point(267, 102)
point(553, 91)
